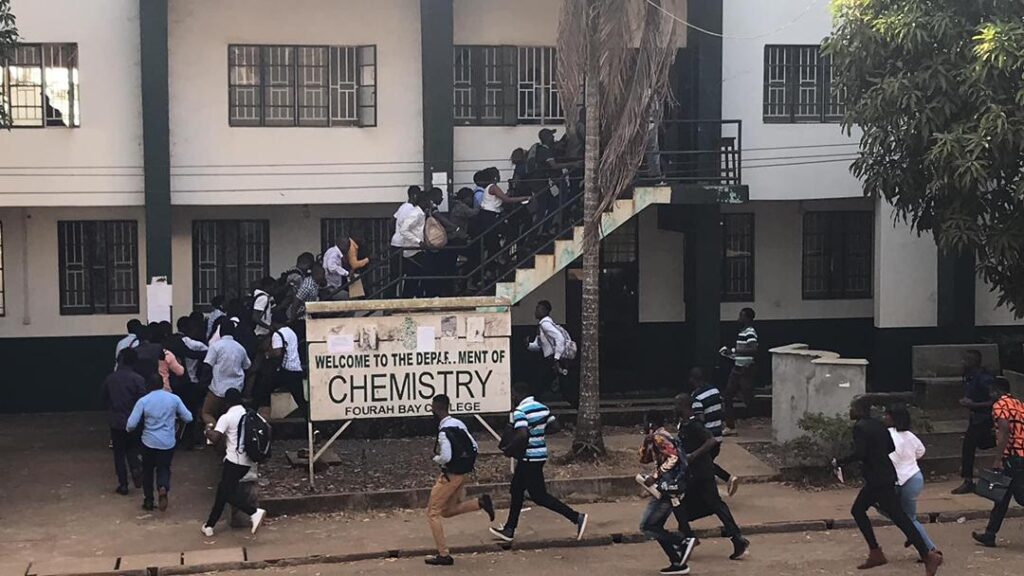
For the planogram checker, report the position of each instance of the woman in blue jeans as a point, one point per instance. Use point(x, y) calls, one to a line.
point(909, 450)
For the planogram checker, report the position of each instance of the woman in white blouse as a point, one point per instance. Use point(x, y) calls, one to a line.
point(910, 480)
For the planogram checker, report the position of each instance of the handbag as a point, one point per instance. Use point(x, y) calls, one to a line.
point(434, 234)
point(992, 485)
point(511, 445)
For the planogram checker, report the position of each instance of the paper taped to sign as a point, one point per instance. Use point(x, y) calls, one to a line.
point(340, 344)
point(425, 339)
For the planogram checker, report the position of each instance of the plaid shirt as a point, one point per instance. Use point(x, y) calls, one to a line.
point(1012, 410)
point(307, 291)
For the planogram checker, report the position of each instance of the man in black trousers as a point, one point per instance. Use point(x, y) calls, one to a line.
point(980, 427)
point(872, 445)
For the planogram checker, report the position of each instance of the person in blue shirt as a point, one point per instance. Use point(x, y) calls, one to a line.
point(980, 432)
point(157, 412)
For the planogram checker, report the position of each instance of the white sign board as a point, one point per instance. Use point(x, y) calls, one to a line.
point(393, 366)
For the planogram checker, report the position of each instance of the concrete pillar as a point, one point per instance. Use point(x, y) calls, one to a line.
point(156, 142)
point(437, 38)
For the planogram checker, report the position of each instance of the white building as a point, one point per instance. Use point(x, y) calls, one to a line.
point(211, 141)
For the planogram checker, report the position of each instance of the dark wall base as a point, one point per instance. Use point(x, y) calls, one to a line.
point(55, 374)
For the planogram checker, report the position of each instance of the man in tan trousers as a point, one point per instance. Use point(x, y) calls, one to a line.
point(455, 452)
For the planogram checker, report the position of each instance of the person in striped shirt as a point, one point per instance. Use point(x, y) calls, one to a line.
point(741, 379)
point(530, 420)
point(706, 404)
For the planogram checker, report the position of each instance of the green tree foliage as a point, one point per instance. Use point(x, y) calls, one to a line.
point(8, 38)
point(937, 87)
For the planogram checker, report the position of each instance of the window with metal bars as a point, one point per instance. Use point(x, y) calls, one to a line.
point(373, 236)
point(302, 85)
point(505, 85)
point(39, 86)
point(228, 258)
point(98, 266)
point(798, 86)
point(838, 255)
point(737, 257)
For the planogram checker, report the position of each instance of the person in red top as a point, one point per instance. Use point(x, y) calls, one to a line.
point(1008, 414)
point(660, 448)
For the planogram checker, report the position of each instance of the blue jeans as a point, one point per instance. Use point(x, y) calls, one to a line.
point(909, 492)
point(652, 524)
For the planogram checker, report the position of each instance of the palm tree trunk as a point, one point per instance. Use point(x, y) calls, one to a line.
point(588, 440)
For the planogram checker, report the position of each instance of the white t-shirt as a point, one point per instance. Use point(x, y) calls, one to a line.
point(290, 360)
point(264, 304)
point(491, 203)
point(228, 426)
point(909, 450)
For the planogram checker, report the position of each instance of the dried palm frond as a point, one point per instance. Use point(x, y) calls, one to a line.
point(572, 61)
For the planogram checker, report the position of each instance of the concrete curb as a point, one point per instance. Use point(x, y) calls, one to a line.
point(572, 491)
point(822, 525)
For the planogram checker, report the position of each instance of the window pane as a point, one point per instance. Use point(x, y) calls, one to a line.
point(343, 84)
point(98, 267)
point(313, 70)
point(463, 79)
point(228, 257)
point(538, 93)
point(61, 63)
point(25, 74)
point(858, 236)
point(776, 79)
point(738, 256)
point(244, 78)
point(816, 258)
point(808, 82)
point(279, 85)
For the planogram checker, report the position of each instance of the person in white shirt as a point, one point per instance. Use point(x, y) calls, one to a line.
point(283, 354)
point(334, 266)
point(262, 307)
point(909, 479)
point(236, 465)
point(215, 313)
point(491, 206)
point(409, 225)
point(550, 342)
point(132, 340)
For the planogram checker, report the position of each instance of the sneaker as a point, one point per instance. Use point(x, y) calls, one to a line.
point(685, 548)
point(122, 490)
point(487, 505)
point(732, 486)
point(985, 539)
point(728, 431)
point(439, 560)
point(966, 488)
point(581, 526)
point(675, 569)
point(161, 499)
point(740, 547)
point(207, 531)
point(257, 519)
point(503, 534)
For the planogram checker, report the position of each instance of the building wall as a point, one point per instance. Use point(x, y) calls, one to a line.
point(906, 274)
point(102, 159)
point(200, 32)
point(31, 273)
point(778, 260)
point(742, 89)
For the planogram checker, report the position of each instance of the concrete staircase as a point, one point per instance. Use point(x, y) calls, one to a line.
point(529, 278)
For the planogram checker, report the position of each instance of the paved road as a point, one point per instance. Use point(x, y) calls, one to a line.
point(801, 554)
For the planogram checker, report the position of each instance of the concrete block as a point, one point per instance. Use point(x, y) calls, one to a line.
point(214, 556)
point(281, 405)
point(806, 381)
point(73, 566)
point(142, 561)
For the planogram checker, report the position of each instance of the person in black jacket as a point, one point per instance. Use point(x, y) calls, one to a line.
point(121, 390)
point(872, 445)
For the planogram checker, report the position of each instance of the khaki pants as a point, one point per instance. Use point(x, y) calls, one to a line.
point(446, 500)
point(213, 408)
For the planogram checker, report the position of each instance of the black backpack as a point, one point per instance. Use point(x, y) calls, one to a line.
point(254, 437)
point(463, 451)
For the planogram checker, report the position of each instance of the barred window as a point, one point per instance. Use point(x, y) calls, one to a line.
point(39, 84)
point(228, 258)
point(302, 85)
point(798, 85)
point(98, 266)
point(838, 255)
point(505, 85)
point(738, 257)
point(373, 236)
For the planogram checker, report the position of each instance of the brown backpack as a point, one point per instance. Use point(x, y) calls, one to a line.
point(434, 235)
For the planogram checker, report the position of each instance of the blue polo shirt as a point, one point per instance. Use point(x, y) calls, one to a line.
point(158, 412)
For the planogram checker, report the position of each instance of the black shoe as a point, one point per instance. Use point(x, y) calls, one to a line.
point(985, 539)
point(487, 505)
point(581, 526)
point(439, 560)
point(137, 478)
point(122, 490)
point(504, 534)
point(148, 505)
point(740, 546)
point(966, 488)
point(675, 569)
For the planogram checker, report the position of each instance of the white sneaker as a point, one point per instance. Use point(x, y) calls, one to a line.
point(207, 531)
point(257, 519)
point(728, 431)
